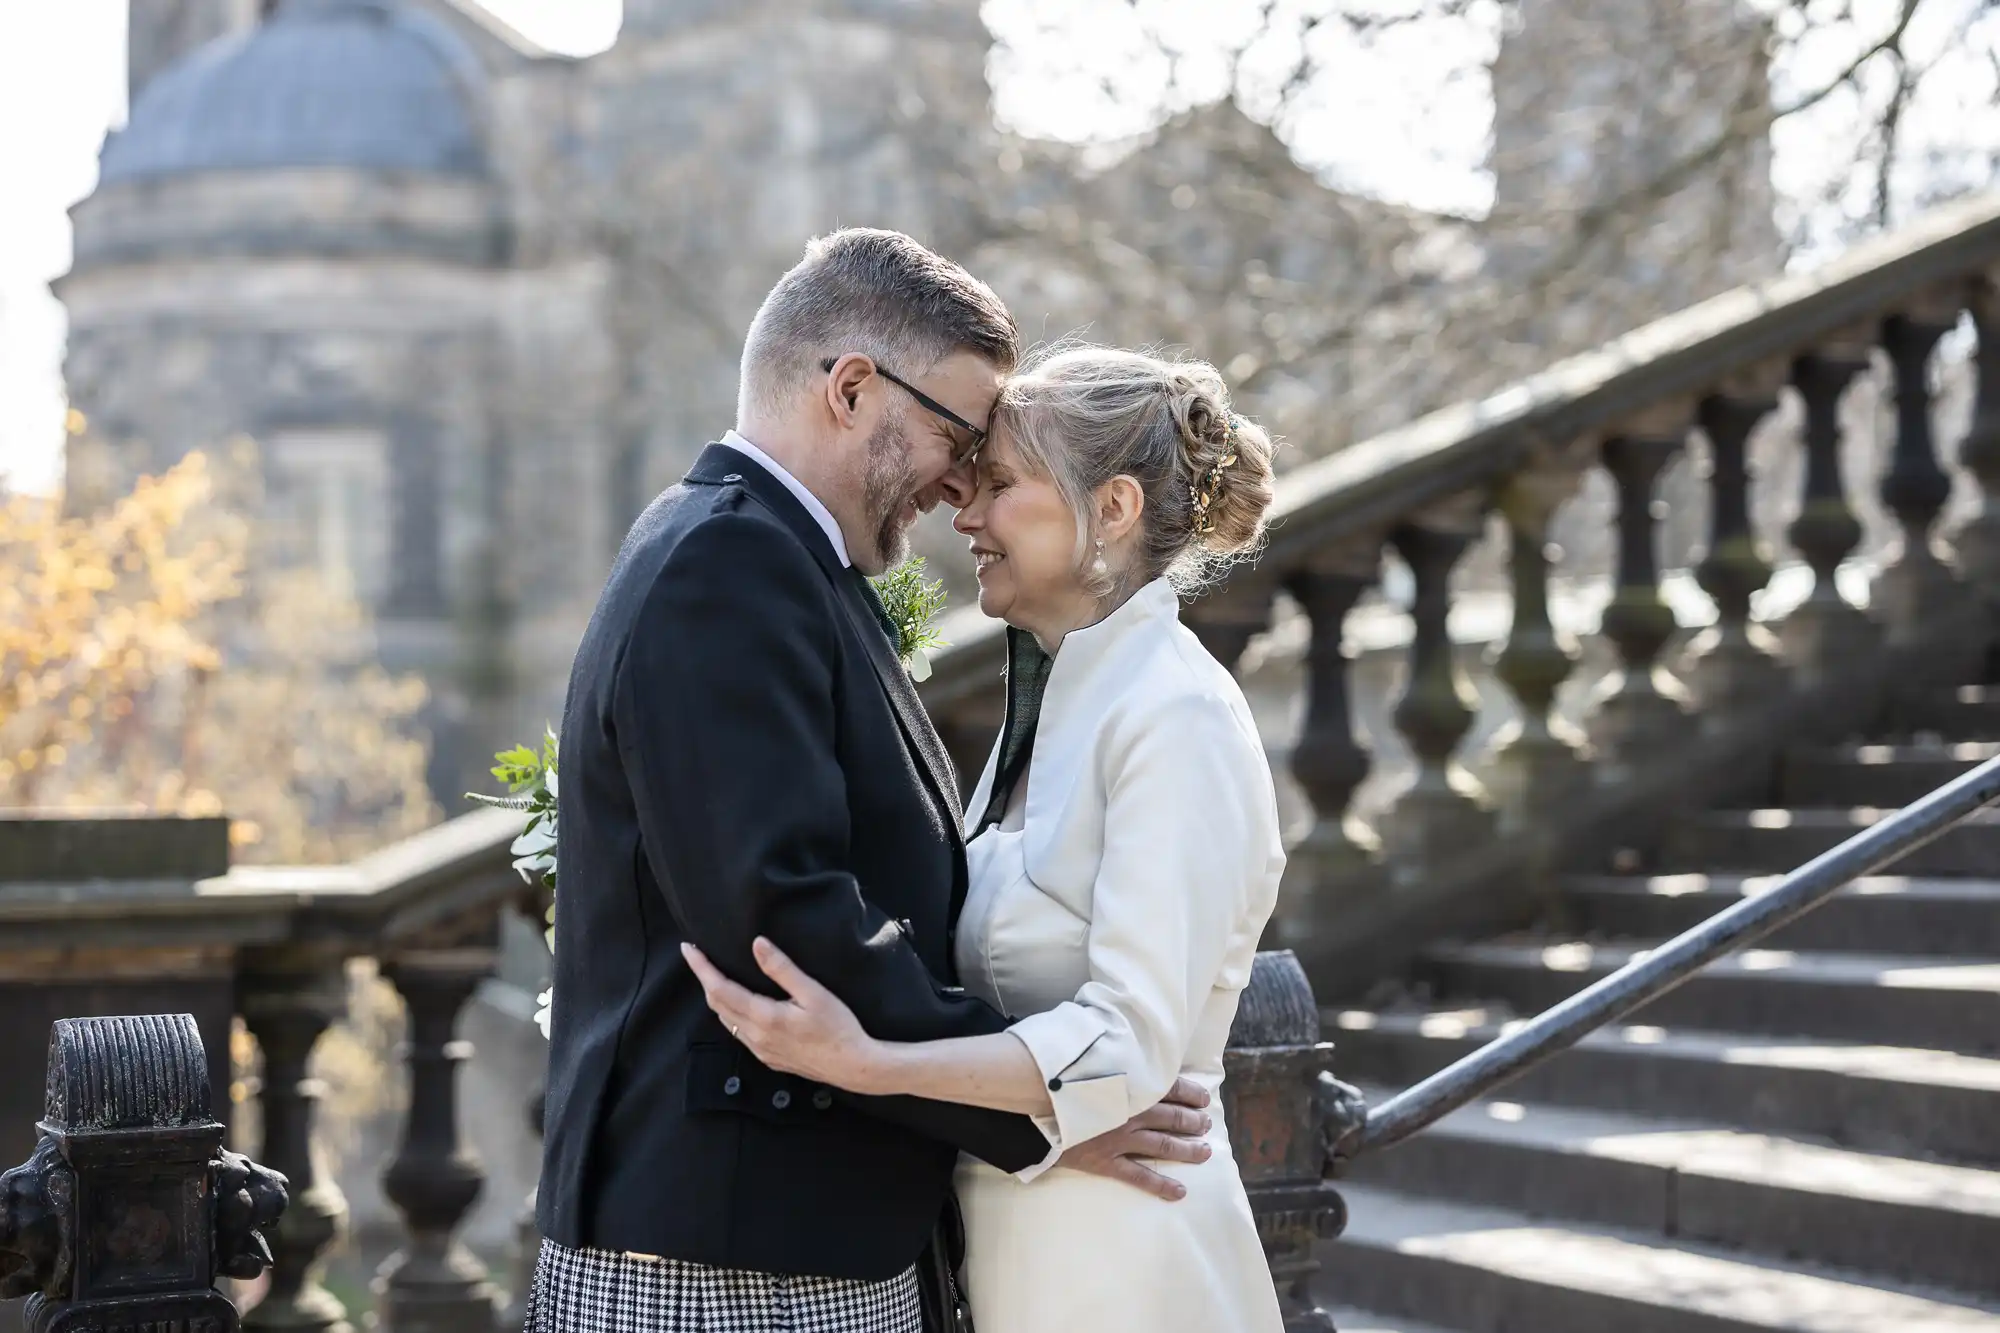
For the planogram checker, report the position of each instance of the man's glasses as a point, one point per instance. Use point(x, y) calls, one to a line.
point(925, 401)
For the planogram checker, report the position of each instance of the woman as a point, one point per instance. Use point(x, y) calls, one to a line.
point(1124, 856)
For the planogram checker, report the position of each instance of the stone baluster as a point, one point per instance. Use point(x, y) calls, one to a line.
point(1825, 634)
point(1977, 543)
point(1329, 762)
point(1535, 763)
point(1916, 596)
point(434, 1284)
point(1640, 705)
point(1733, 664)
point(1439, 816)
point(287, 1001)
point(1225, 621)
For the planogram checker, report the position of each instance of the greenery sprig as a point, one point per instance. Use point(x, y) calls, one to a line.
point(530, 777)
point(914, 604)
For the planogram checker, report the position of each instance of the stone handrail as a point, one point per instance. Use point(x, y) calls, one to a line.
point(1450, 856)
point(1379, 481)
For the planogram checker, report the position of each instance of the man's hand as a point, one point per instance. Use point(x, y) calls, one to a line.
point(1168, 1132)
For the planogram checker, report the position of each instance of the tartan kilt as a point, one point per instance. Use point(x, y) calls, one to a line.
point(599, 1291)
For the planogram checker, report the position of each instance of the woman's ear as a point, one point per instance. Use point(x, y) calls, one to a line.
point(1120, 502)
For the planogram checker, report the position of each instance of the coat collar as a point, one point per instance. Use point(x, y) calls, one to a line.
point(1062, 684)
point(720, 465)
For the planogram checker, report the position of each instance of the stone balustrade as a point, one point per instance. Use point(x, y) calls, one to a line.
point(1450, 854)
point(123, 915)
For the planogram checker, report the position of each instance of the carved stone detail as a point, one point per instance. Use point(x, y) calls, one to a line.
point(1733, 664)
point(1330, 764)
point(1977, 542)
point(1535, 763)
point(1640, 706)
point(1916, 592)
point(1440, 813)
point(287, 1003)
point(434, 1284)
point(1824, 633)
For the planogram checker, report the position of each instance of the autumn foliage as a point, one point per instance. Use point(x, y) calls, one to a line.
point(143, 666)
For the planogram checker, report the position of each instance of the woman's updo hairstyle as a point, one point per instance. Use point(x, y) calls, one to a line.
point(1082, 415)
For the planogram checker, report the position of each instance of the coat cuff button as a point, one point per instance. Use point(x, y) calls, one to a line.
point(781, 1099)
point(822, 1099)
point(731, 1086)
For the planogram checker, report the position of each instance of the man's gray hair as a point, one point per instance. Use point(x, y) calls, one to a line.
point(878, 293)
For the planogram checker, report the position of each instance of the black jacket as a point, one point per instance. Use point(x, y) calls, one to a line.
point(743, 754)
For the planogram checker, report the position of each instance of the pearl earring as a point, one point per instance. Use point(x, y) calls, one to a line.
point(1097, 566)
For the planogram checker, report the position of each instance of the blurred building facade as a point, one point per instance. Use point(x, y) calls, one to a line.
point(477, 303)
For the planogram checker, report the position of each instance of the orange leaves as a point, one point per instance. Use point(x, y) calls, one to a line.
point(116, 689)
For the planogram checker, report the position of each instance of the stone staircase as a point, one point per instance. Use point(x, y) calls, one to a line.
point(1804, 1137)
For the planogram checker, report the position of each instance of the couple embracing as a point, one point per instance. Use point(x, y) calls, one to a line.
point(830, 1053)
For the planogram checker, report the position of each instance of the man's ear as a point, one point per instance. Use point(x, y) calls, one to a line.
point(1120, 502)
point(843, 388)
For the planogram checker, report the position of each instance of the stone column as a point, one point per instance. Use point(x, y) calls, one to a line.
point(1732, 665)
point(1439, 816)
point(288, 999)
point(1978, 541)
point(434, 1284)
point(1535, 764)
point(1825, 634)
point(1640, 705)
point(1916, 595)
point(1329, 762)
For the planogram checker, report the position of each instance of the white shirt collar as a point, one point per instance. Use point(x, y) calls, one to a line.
point(821, 514)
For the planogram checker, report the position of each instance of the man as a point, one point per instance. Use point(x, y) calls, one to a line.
point(744, 755)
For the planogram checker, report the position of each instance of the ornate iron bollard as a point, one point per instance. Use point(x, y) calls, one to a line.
point(130, 1207)
point(1286, 1116)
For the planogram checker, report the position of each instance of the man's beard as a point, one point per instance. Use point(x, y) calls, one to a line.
point(887, 485)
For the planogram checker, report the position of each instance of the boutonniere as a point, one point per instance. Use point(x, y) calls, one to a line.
point(530, 778)
point(913, 605)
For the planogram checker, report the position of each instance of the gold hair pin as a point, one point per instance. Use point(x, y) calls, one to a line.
point(1204, 495)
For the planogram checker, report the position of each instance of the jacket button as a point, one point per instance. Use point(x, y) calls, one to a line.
point(734, 476)
point(822, 1099)
point(731, 1086)
point(781, 1099)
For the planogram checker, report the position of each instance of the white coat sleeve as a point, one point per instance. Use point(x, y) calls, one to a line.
point(1185, 834)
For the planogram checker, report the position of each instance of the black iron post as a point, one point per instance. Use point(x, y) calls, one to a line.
point(130, 1207)
point(1284, 1112)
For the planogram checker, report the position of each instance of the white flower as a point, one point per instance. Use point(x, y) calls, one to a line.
point(919, 665)
point(534, 841)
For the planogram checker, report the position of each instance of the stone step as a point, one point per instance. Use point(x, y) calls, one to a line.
point(1880, 1099)
point(1875, 775)
point(1885, 913)
point(1488, 1270)
point(1968, 713)
point(1892, 999)
point(1892, 1218)
point(1778, 840)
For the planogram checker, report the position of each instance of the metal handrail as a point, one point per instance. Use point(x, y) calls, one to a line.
point(1642, 980)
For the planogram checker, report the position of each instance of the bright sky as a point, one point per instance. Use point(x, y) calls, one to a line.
point(1420, 93)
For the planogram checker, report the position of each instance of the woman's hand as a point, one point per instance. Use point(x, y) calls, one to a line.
point(811, 1034)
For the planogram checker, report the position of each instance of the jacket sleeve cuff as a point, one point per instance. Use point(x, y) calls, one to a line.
point(1088, 1101)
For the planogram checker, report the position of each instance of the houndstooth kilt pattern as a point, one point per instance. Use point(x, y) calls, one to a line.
point(599, 1291)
